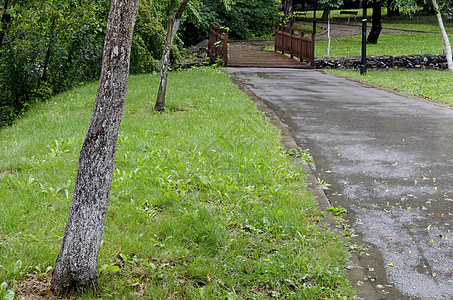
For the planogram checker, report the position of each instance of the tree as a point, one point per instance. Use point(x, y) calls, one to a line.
point(6, 19)
point(445, 38)
point(411, 6)
point(75, 267)
point(172, 27)
point(288, 18)
point(376, 22)
point(329, 5)
point(392, 9)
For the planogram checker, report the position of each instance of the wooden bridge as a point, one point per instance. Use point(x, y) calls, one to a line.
point(290, 43)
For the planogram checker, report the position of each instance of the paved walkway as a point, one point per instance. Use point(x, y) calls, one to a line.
point(389, 160)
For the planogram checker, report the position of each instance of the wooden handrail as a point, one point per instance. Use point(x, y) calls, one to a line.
point(296, 42)
point(218, 43)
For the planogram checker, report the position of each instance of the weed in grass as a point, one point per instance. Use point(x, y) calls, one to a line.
point(204, 203)
point(324, 185)
point(337, 211)
point(303, 154)
point(5, 293)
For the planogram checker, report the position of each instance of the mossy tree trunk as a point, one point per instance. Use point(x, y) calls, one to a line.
point(75, 268)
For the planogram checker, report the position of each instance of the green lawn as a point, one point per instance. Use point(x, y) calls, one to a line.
point(205, 202)
point(417, 22)
point(429, 84)
point(388, 44)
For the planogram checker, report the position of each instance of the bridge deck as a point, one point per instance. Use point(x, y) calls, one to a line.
point(251, 54)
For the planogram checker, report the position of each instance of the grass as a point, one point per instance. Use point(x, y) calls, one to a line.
point(205, 202)
point(429, 84)
point(388, 44)
point(416, 22)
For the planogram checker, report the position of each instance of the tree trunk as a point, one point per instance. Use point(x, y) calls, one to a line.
point(288, 13)
point(172, 27)
point(445, 38)
point(328, 36)
point(376, 23)
point(49, 49)
point(325, 14)
point(75, 268)
point(392, 9)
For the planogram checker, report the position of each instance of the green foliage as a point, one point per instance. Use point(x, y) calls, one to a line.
point(205, 204)
point(331, 4)
point(51, 46)
point(304, 155)
point(416, 22)
point(245, 18)
point(337, 211)
point(5, 293)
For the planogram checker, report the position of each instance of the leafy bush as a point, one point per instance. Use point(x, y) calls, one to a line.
point(246, 19)
point(50, 47)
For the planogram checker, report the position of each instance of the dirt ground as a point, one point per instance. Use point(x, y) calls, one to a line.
point(344, 30)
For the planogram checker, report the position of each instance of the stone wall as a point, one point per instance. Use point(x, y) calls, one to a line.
point(428, 61)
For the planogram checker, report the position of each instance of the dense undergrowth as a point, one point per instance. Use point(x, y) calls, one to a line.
point(205, 202)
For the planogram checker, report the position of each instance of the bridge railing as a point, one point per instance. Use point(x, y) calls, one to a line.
point(296, 42)
point(218, 44)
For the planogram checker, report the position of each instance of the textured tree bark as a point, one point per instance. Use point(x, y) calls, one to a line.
point(445, 38)
point(75, 267)
point(172, 27)
point(376, 23)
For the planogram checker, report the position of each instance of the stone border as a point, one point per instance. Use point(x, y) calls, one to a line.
point(385, 62)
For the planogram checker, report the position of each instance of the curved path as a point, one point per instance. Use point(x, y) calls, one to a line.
point(389, 160)
point(343, 30)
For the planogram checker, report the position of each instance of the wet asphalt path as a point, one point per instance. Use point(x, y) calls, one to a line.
point(389, 161)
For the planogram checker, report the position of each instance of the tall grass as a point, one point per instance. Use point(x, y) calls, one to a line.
point(205, 204)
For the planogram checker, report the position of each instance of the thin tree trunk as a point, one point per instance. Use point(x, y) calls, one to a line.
point(328, 36)
point(445, 39)
point(172, 27)
point(49, 48)
point(75, 267)
point(376, 23)
point(325, 14)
